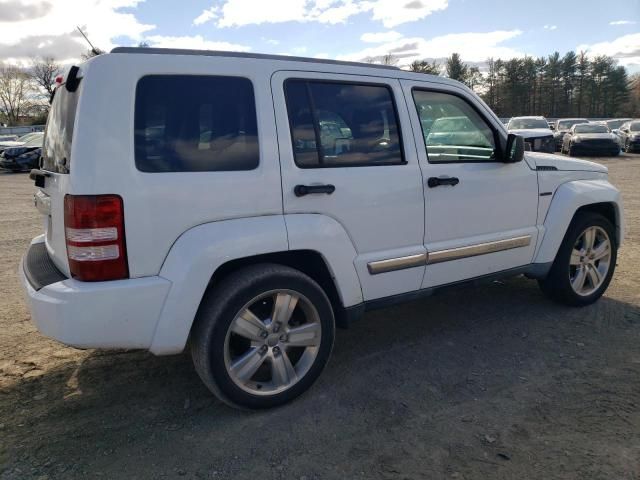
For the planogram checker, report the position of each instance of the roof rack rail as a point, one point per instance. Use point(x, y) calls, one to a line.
point(262, 56)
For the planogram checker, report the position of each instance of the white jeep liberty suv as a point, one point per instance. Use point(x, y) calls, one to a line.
point(250, 203)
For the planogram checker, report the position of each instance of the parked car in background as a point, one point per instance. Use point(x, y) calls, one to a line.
point(562, 126)
point(535, 131)
point(630, 136)
point(614, 125)
point(19, 141)
point(590, 139)
point(8, 138)
point(24, 157)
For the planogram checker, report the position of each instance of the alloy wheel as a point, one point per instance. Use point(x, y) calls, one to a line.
point(272, 342)
point(590, 261)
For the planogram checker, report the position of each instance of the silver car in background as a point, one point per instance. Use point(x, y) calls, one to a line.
point(535, 131)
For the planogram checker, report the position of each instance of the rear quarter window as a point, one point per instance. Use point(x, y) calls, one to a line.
point(56, 149)
point(195, 123)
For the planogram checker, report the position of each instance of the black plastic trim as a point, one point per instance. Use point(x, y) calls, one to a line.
point(533, 270)
point(39, 268)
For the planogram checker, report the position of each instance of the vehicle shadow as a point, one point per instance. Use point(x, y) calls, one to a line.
point(435, 380)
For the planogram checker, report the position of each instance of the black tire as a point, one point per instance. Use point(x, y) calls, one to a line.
point(572, 151)
point(217, 311)
point(557, 285)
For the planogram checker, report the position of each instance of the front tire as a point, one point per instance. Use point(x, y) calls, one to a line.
point(572, 151)
point(263, 336)
point(585, 262)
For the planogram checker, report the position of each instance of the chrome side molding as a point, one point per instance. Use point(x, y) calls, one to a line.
point(478, 249)
point(400, 263)
point(439, 256)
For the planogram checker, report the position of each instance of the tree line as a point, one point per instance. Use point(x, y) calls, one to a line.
point(572, 85)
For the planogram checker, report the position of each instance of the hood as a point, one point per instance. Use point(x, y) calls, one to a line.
point(564, 163)
point(532, 132)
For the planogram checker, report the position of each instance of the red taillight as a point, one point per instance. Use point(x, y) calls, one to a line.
point(94, 232)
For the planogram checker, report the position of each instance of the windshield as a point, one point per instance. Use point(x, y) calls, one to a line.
point(591, 128)
point(27, 137)
point(567, 124)
point(35, 141)
point(526, 123)
point(635, 127)
point(452, 124)
point(56, 150)
point(612, 124)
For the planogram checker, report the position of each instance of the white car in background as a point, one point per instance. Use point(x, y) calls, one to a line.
point(535, 131)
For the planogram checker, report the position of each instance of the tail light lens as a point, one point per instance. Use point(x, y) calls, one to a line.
point(94, 232)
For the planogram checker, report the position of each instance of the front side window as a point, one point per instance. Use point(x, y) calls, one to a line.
point(342, 124)
point(453, 131)
point(192, 123)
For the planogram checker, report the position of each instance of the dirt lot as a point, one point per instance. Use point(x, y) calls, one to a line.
point(489, 382)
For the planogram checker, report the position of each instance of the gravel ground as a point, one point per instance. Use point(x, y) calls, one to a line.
point(504, 384)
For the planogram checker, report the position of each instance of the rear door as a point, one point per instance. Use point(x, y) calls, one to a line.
point(347, 152)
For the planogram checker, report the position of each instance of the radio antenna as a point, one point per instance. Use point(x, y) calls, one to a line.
point(94, 50)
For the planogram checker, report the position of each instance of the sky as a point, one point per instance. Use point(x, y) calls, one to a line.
point(340, 29)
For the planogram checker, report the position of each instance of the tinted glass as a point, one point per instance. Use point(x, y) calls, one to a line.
point(56, 151)
point(567, 124)
point(613, 124)
point(591, 128)
point(635, 127)
point(524, 123)
point(453, 131)
point(195, 124)
point(342, 125)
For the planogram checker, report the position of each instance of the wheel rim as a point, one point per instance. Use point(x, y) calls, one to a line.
point(590, 261)
point(272, 342)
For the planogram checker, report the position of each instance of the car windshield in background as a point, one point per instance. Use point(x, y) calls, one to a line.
point(635, 127)
point(614, 123)
point(35, 141)
point(527, 123)
point(591, 128)
point(567, 124)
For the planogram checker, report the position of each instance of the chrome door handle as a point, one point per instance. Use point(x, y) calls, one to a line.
point(433, 182)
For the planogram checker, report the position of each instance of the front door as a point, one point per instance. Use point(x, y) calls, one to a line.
point(347, 152)
point(480, 212)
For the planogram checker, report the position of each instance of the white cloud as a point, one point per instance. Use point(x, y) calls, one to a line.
point(473, 47)
point(550, 27)
point(48, 27)
point(391, 14)
point(206, 15)
point(235, 13)
point(196, 42)
point(625, 49)
point(623, 22)
point(380, 37)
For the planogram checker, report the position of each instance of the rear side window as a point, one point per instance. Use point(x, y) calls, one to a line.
point(190, 123)
point(342, 124)
point(56, 150)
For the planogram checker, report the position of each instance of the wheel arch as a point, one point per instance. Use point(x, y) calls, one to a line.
point(597, 196)
point(314, 244)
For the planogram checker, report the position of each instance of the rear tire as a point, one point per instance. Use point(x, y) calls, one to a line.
point(262, 336)
point(584, 264)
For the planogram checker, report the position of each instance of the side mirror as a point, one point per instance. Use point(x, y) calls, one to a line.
point(552, 127)
point(515, 148)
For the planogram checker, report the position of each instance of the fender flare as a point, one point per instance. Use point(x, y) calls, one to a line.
point(567, 199)
point(199, 252)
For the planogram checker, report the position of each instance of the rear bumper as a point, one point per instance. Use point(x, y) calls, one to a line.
point(114, 314)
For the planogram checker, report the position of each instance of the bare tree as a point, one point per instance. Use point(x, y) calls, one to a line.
point(16, 93)
point(44, 72)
